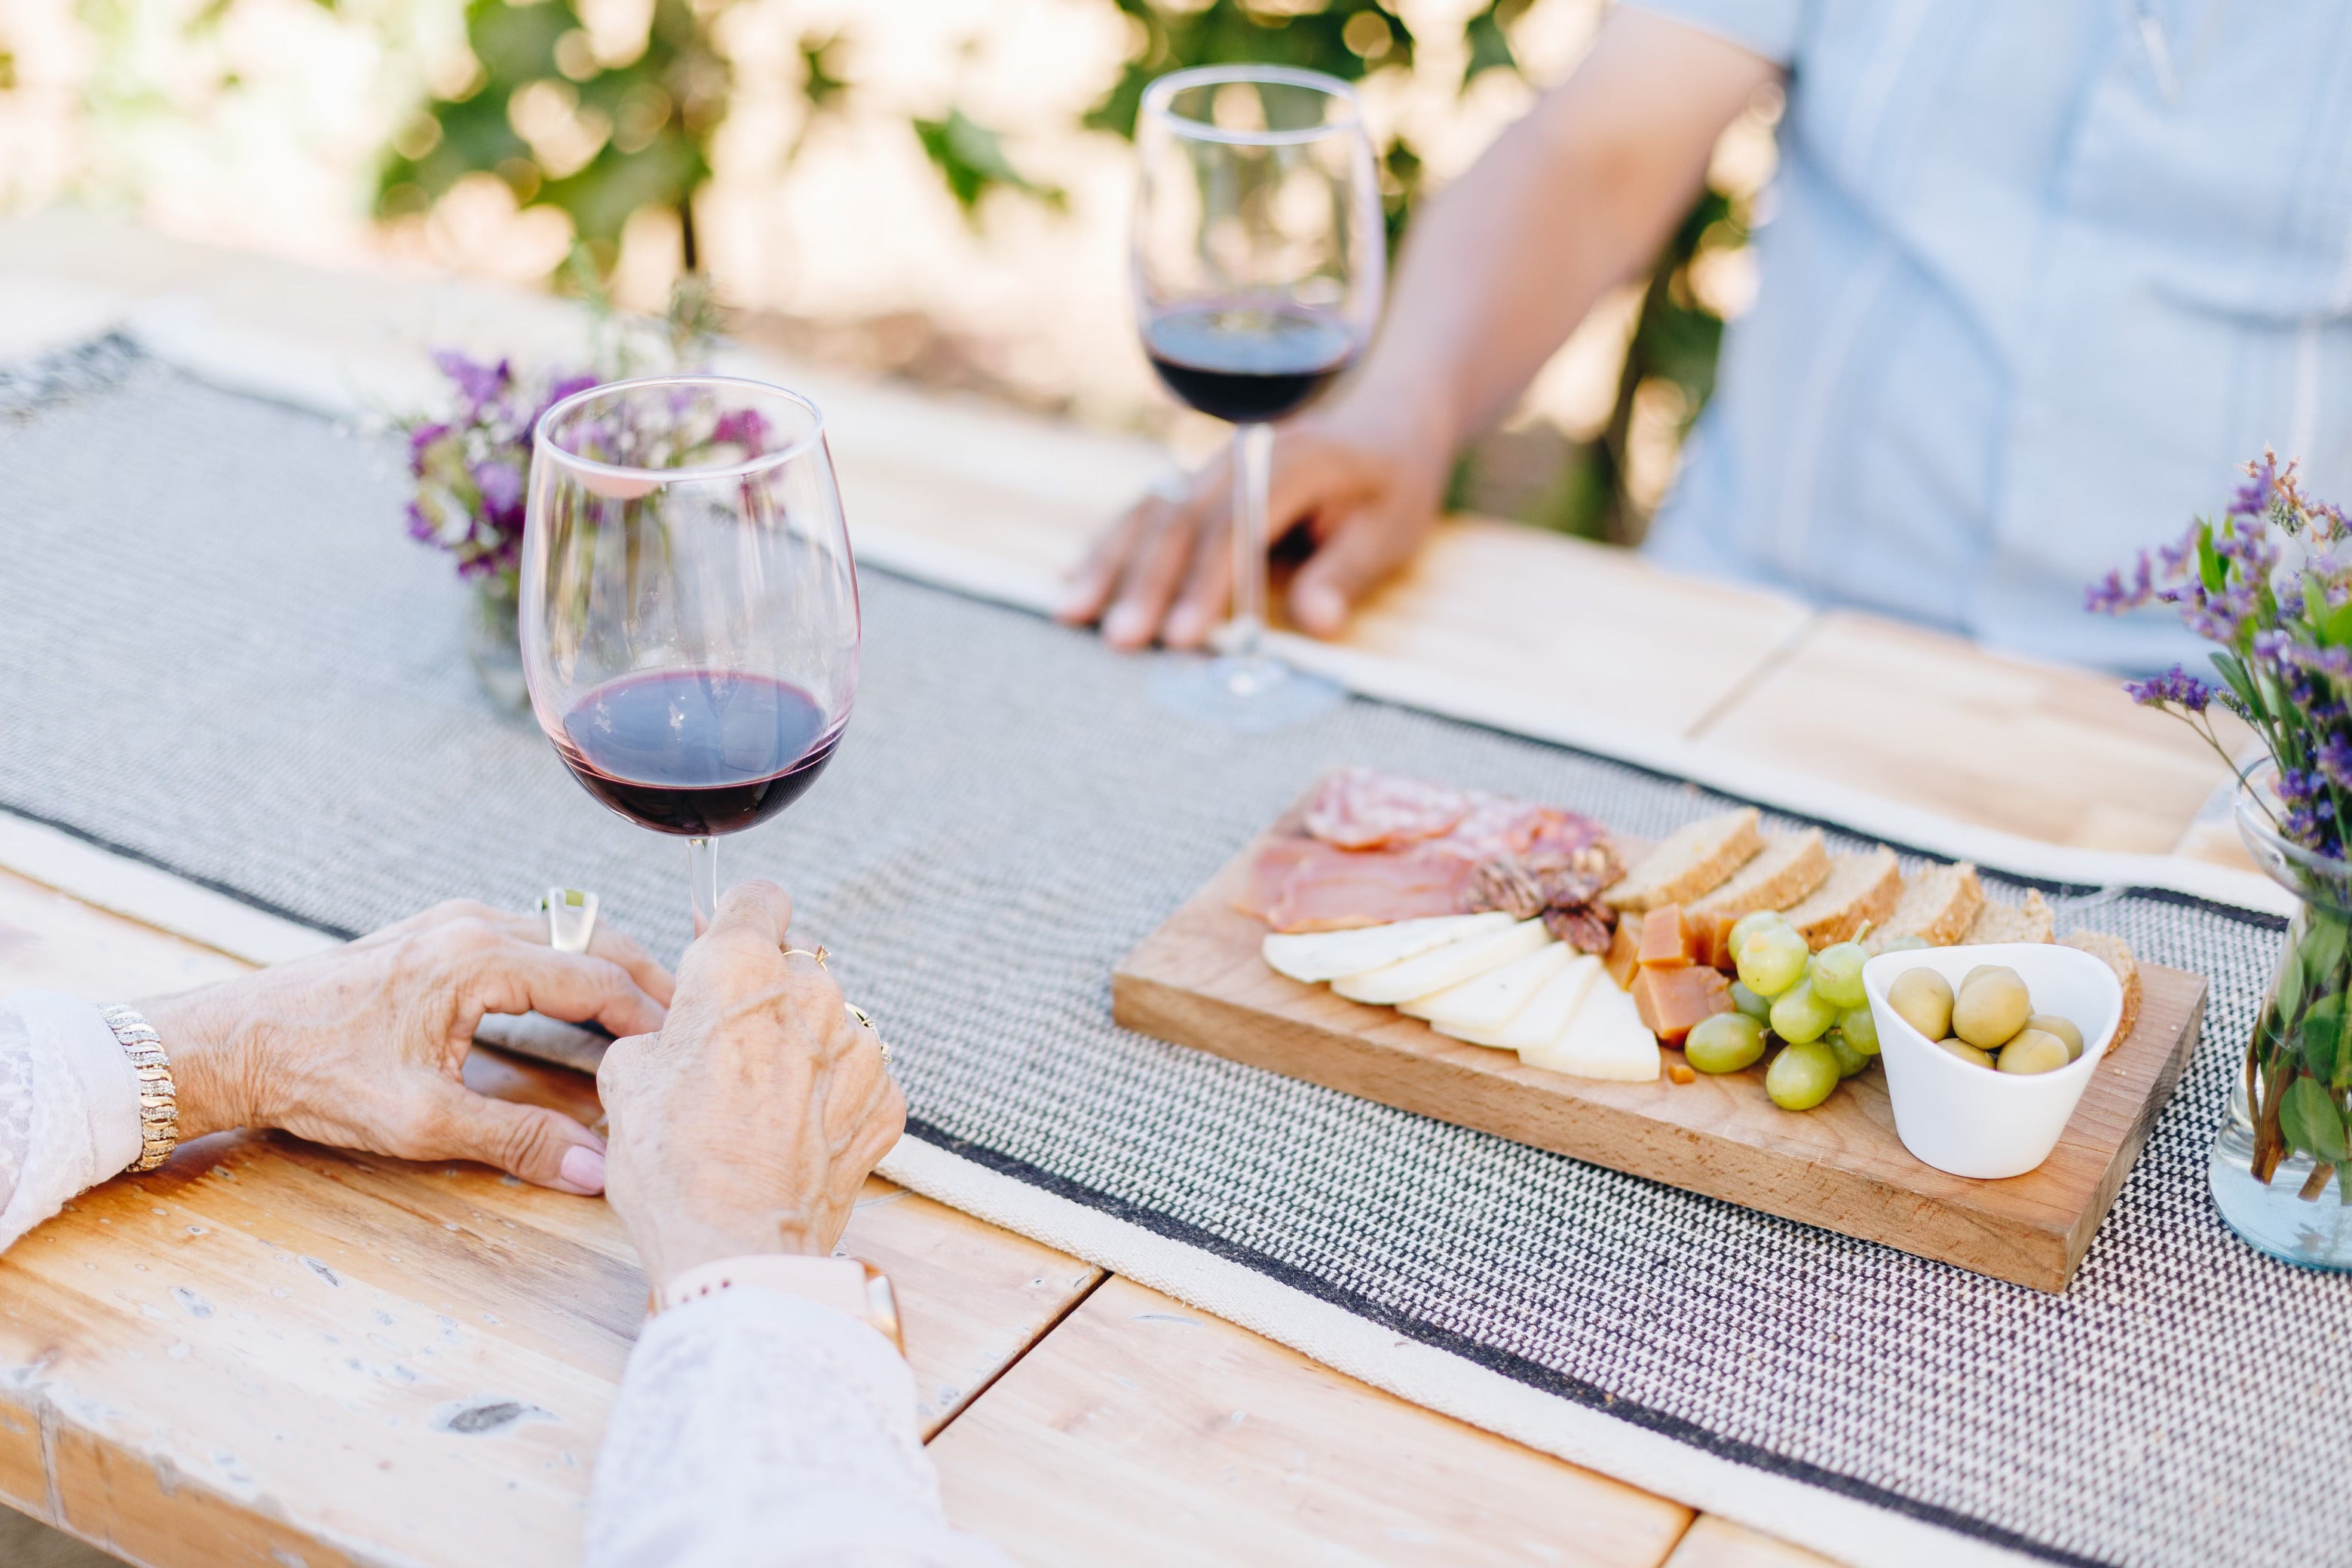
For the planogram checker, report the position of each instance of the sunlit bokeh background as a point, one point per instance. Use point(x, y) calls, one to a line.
point(934, 190)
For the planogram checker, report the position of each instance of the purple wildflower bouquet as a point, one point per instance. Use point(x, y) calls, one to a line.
point(470, 464)
point(471, 460)
point(2269, 584)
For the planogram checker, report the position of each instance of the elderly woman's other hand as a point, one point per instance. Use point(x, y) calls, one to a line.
point(749, 1122)
point(365, 1046)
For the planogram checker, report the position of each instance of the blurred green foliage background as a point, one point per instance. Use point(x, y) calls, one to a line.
point(649, 117)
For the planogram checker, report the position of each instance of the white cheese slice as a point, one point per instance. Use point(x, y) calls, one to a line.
point(1318, 955)
point(1546, 1012)
point(1604, 1039)
point(1448, 965)
point(1488, 1002)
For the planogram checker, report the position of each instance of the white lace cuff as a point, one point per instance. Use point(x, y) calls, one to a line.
point(69, 1106)
point(756, 1430)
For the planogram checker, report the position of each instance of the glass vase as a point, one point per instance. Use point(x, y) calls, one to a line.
point(494, 646)
point(2281, 1171)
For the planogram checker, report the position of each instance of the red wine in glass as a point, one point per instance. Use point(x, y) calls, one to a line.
point(697, 751)
point(688, 621)
point(1247, 364)
point(1259, 254)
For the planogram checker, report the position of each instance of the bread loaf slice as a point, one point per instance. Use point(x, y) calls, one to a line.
point(2031, 922)
point(2117, 954)
point(1690, 863)
point(1791, 866)
point(1937, 905)
point(1860, 891)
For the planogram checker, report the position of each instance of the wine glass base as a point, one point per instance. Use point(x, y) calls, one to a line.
point(1246, 694)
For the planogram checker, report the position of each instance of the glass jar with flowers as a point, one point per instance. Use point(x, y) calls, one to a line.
point(2264, 584)
point(470, 458)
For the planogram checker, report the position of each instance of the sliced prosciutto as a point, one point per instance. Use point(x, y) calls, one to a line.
point(1304, 884)
point(1496, 826)
point(1370, 848)
point(1356, 808)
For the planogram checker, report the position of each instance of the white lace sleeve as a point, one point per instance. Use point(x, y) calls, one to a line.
point(754, 1430)
point(69, 1106)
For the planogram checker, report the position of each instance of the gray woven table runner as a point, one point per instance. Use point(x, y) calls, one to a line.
point(218, 651)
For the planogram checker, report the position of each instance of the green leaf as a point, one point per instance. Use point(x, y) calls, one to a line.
point(2335, 624)
point(2322, 949)
point(2234, 674)
point(971, 158)
point(821, 83)
point(2289, 991)
point(2309, 1118)
point(1490, 48)
point(2319, 1034)
point(2209, 569)
point(2340, 1077)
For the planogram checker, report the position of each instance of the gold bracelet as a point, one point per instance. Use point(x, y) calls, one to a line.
point(159, 1105)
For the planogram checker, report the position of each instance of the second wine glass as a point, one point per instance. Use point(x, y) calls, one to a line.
point(689, 612)
point(1259, 260)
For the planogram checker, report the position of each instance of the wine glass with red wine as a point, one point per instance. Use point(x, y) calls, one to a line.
point(1259, 257)
point(690, 607)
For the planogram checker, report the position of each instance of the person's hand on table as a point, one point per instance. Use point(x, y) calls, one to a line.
point(363, 1046)
point(1364, 478)
point(749, 1122)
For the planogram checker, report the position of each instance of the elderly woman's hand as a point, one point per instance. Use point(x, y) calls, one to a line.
point(749, 1124)
point(365, 1046)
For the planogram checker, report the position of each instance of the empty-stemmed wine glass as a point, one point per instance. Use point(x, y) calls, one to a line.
point(690, 608)
point(1259, 257)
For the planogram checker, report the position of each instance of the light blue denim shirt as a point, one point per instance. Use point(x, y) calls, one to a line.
point(2037, 275)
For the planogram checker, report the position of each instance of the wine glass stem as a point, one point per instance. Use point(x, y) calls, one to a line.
point(702, 877)
point(1253, 455)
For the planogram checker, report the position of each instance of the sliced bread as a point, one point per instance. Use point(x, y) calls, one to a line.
point(1690, 863)
point(1860, 891)
point(2028, 922)
point(1937, 905)
point(1791, 866)
point(2117, 954)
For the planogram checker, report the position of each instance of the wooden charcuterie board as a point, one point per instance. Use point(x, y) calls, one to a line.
point(1198, 981)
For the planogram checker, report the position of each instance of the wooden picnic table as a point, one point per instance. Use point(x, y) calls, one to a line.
point(270, 1352)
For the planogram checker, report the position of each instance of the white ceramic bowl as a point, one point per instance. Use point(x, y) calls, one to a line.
point(1960, 1118)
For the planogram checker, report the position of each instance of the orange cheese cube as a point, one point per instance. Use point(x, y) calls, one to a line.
point(1674, 1000)
point(1624, 956)
point(1665, 940)
point(1711, 939)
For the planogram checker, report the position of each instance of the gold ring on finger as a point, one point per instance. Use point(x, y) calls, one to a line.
point(820, 955)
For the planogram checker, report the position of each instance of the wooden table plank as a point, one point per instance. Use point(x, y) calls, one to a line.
point(1533, 617)
point(2040, 750)
point(1142, 1431)
point(266, 1345)
point(1716, 1542)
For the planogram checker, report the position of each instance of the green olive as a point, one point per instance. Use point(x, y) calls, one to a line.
point(2052, 1024)
point(1980, 969)
point(1992, 1006)
point(1860, 1027)
point(1923, 999)
point(1724, 1043)
point(2033, 1051)
point(1802, 1077)
point(1850, 1061)
point(1967, 1052)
